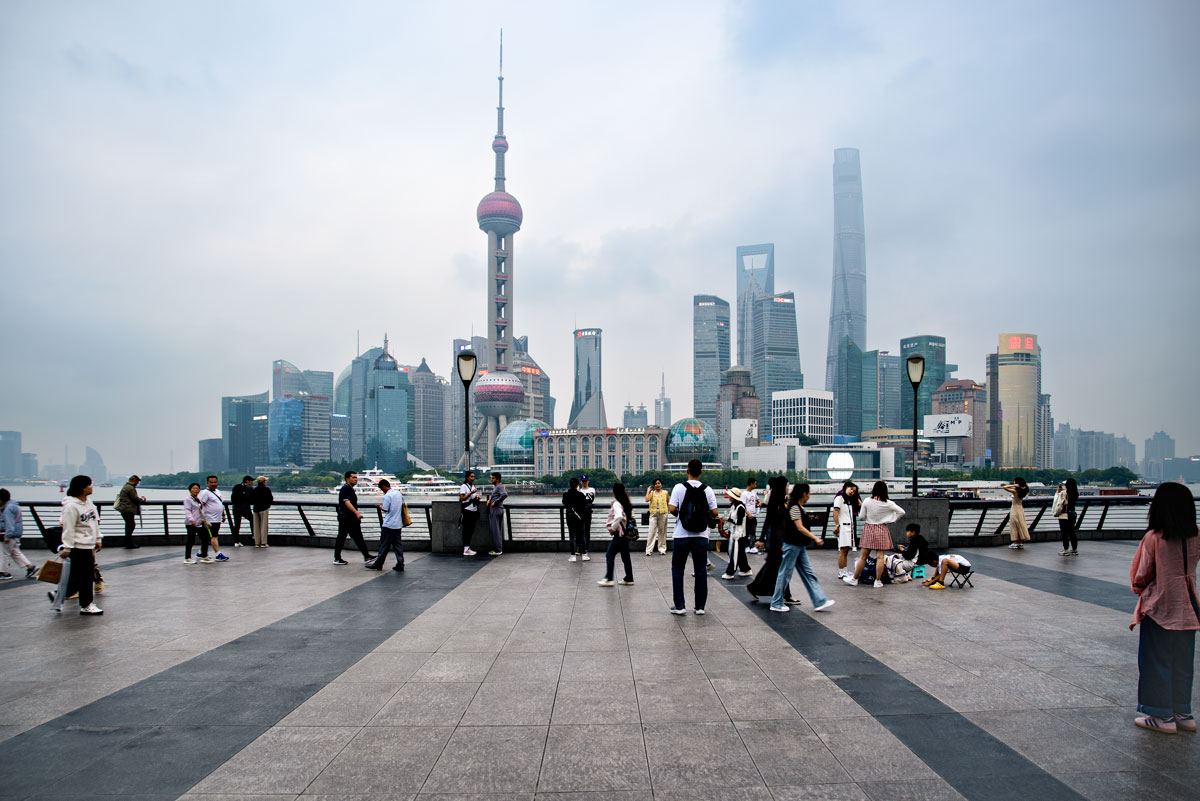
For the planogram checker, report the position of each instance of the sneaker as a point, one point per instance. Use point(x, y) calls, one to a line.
point(745, 572)
point(398, 568)
point(675, 611)
point(780, 609)
point(188, 560)
point(937, 585)
point(340, 562)
point(626, 582)
point(1185, 723)
point(6, 576)
point(370, 557)
point(587, 558)
point(751, 550)
point(91, 609)
point(469, 552)
point(235, 545)
point(572, 558)
point(878, 584)
point(605, 582)
point(1064, 553)
point(222, 557)
point(204, 559)
point(31, 571)
point(370, 566)
point(792, 601)
point(728, 576)
point(825, 605)
point(495, 553)
point(1020, 547)
point(699, 611)
point(1163, 725)
point(72, 596)
point(1076, 553)
point(1012, 547)
point(851, 580)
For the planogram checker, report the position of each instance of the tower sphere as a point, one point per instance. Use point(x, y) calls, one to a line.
point(499, 212)
point(691, 439)
point(499, 395)
point(500, 144)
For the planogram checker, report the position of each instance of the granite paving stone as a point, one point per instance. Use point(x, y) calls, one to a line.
point(597, 758)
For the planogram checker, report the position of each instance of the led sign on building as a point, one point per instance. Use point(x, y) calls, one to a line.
point(947, 425)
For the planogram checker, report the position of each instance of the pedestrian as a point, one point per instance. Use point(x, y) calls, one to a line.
point(738, 519)
point(1017, 529)
point(129, 505)
point(392, 527)
point(657, 497)
point(1065, 498)
point(11, 528)
point(349, 520)
point(694, 504)
point(81, 541)
point(774, 519)
point(877, 511)
point(915, 551)
point(589, 495)
point(240, 497)
point(796, 539)
point(193, 520)
point(619, 516)
point(574, 502)
point(262, 499)
point(468, 497)
point(495, 507)
point(750, 501)
point(1163, 574)
point(212, 509)
point(845, 514)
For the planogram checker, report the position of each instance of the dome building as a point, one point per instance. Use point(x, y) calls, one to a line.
point(514, 447)
point(689, 439)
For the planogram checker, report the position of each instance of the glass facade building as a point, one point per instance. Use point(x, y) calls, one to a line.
point(803, 412)
point(933, 348)
point(775, 353)
point(1015, 401)
point(880, 390)
point(587, 406)
point(848, 304)
point(755, 278)
point(286, 431)
point(244, 432)
point(848, 394)
point(710, 354)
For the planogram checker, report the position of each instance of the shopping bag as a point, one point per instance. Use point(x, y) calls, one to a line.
point(405, 517)
point(51, 572)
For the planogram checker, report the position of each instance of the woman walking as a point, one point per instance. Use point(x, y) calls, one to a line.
point(263, 499)
point(1163, 574)
point(763, 584)
point(576, 506)
point(81, 540)
point(1065, 498)
point(739, 563)
point(1017, 529)
point(877, 512)
point(796, 539)
point(193, 519)
point(619, 515)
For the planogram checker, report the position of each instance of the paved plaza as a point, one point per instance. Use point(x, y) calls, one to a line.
point(279, 676)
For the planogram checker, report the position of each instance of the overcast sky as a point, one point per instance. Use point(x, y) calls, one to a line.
point(191, 190)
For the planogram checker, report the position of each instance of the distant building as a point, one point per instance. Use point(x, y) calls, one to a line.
point(1018, 412)
point(635, 418)
point(862, 462)
point(1157, 448)
point(10, 454)
point(803, 412)
point(662, 407)
point(587, 407)
point(29, 465)
point(1181, 468)
point(900, 440)
point(964, 396)
point(1076, 449)
point(387, 407)
point(737, 399)
point(848, 301)
point(755, 279)
point(245, 432)
point(314, 390)
point(339, 438)
point(710, 354)
point(880, 390)
point(93, 465)
point(848, 394)
point(430, 393)
point(933, 348)
point(212, 455)
point(951, 436)
point(539, 404)
point(775, 358)
point(624, 451)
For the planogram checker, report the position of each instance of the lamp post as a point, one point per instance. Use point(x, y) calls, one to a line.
point(468, 363)
point(916, 371)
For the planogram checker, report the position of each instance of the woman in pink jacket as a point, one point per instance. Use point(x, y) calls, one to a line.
point(1163, 575)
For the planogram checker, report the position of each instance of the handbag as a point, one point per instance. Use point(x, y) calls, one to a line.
point(631, 531)
point(51, 572)
point(405, 517)
point(645, 518)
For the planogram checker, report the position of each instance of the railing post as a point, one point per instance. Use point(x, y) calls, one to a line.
point(304, 519)
point(562, 525)
point(1082, 512)
point(36, 519)
point(1041, 512)
point(1103, 514)
point(982, 516)
point(166, 528)
point(1003, 523)
point(508, 521)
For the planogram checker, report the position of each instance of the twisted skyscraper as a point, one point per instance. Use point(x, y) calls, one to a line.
point(848, 307)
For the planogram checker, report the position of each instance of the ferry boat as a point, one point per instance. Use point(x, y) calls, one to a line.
point(368, 482)
point(426, 484)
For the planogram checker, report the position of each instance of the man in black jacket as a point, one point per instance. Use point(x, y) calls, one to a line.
point(242, 502)
point(916, 551)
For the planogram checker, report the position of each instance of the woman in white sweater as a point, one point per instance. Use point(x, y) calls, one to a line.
point(877, 511)
point(81, 540)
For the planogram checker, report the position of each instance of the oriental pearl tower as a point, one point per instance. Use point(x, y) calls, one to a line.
point(499, 395)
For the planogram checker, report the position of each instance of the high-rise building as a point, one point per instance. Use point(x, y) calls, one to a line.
point(244, 432)
point(848, 394)
point(388, 404)
point(339, 437)
point(286, 431)
point(314, 390)
point(880, 390)
point(1157, 448)
point(1017, 410)
point(29, 465)
point(710, 354)
point(933, 348)
point(212, 454)
point(635, 418)
point(587, 406)
point(803, 412)
point(848, 304)
point(737, 399)
point(1076, 449)
point(775, 357)
point(662, 406)
point(539, 404)
point(755, 278)
point(93, 465)
point(10, 454)
point(1045, 434)
point(964, 396)
point(429, 401)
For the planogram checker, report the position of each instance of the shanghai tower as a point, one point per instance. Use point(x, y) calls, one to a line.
point(848, 307)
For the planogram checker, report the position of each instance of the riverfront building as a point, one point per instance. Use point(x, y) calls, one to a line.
point(1018, 411)
point(933, 348)
point(429, 401)
point(710, 354)
point(623, 451)
point(775, 357)
point(1157, 448)
point(966, 397)
point(244, 432)
point(848, 304)
point(880, 390)
point(848, 394)
point(803, 412)
point(755, 279)
point(587, 406)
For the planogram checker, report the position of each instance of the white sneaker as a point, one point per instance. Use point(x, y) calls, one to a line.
point(745, 573)
point(699, 611)
point(571, 558)
point(91, 609)
point(468, 552)
point(727, 576)
point(189, 561)
point(780, 609)
point(204, 559)
point(751, 550)
point(675, 611)
point(1013, 547)
point(605, 582)
point(587, 558)
point(825, 605)
point(853, 582)
point(878, 584)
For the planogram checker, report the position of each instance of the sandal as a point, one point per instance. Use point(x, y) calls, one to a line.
point(1163, 725)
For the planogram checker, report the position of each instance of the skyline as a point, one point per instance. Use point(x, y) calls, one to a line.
point(344, 188)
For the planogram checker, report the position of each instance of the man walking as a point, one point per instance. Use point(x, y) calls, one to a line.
point(468, 497)
point(495, 506)
point(212, 509)
point(392, 507)
point(11, 529)
point(349, 520)
point(129, 505)
point(694, 504)
point(589, 497)
point(750, 501)
point(656, 496)
point(242, 499)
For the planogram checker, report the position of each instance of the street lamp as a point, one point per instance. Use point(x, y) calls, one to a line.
point(468, 363)
point(916, 371)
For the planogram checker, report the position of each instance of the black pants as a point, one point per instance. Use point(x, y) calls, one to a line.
point(619, 545)
point(1067, 528)
point(695, 548)
point(352, 527)
point(235, 524)
point(586, 531)
point(130, 525)
point(738, 561)
point(575, 534)
point(469, 520)
point(194, 533)
point(389, 539)
point(83, 568)
point(751, 530)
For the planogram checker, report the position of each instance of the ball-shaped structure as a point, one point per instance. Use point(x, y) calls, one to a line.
point(499, 212)
point(500, 144)
point(514, 445)
point(690, 438)
point(499, 395)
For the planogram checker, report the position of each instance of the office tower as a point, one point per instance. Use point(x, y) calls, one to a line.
point(10, 454)
point(1016, 407)
point(1044, 421)
point(1157, 448)
point(387, 407)
point(710, 355)
point(212, 454)
point(662, 406)
point(848, 304)
point(429, 401)
point(737, 399)
point(539, 404)
point(286, 431)
point(881, 390)
point(933, 348)
point(29, 465)
point(635, 418)
point(587, 407)
point(244, 432)
point(803, 412)
point(848, 394)
point(314, 390)
point(775, 356)
point(339, 438)
point(964, 396)
point(93, 465)
point(755, 278)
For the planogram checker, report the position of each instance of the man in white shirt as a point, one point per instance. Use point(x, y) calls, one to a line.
point(212, 509)
point(694, 504)
point(468, 498)
point(392, 507)
point(750, 501)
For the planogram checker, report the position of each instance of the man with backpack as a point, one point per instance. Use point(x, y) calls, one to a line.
point(694, 504)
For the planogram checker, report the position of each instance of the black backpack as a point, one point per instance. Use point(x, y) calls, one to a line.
point(693, 512)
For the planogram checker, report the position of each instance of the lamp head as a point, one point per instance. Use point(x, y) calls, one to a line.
point(468, 362)
point(916, 369)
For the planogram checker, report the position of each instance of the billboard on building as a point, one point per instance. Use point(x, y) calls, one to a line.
point(947, 425)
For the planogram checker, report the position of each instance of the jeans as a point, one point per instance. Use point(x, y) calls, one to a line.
point(619, 545)
point(697, 549)
point(130, 525)
point(353, 527)
point(469, 520)
point(1066, 527)
point(389, 539)
point(1165, 670)
point(796, 556)
point(496, 524)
